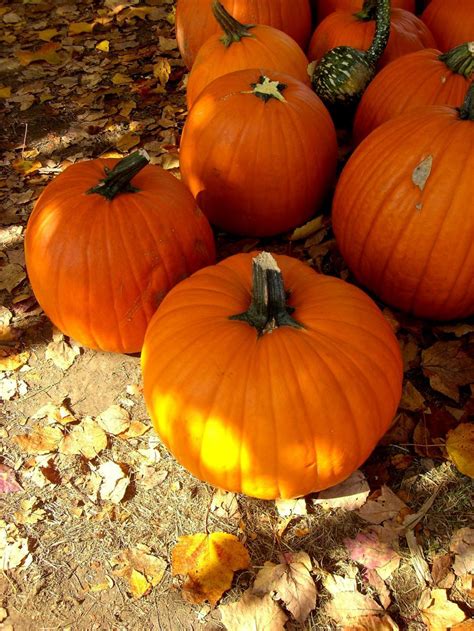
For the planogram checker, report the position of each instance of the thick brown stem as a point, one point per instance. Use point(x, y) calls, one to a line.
point(118, 180)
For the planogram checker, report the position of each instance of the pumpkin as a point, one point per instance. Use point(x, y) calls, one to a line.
point(195, 22)
point(258, 152)
point(268, 396)
point(427, 77)
point(101, 252)
point(452, 23)
point(343, 73)
point(407, 33)
point(403, 214)
point(325, 7)
point(244, 46)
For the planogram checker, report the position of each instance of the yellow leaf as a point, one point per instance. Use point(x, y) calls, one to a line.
point(209, 561)
point(441, 612)
point(139, 586)
point(121, 79)
point(47, 52)
point(5, 92)
point(103, 45)
point(87, 439)
point(41, 440)
point(127, 141)
point(14, 361)
point(127, 107)
point(48, 34)
point(76, 28)
point(141, 569)
point(460, 446)
point(26, 166)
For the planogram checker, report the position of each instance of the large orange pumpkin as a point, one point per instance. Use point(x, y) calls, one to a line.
point(403, 211)
point(195, 22)
point(426, 77)
point(244, 46)
point(101, 256)
point(450, 21)
point(259, 394)
point(345, 28)
point(325, 7)
point(258, 152)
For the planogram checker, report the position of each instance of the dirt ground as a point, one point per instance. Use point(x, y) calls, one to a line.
point(81, 99)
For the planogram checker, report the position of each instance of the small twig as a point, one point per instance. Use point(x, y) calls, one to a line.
point(24, 141)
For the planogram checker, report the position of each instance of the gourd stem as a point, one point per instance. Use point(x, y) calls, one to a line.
point(233, 30)
point(460, 59)
point(382, 32)
point(368, 11)
point(268, 309)
point(118, 180)
point(466, 112)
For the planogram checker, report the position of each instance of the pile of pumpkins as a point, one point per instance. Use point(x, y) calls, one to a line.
point(260, 375)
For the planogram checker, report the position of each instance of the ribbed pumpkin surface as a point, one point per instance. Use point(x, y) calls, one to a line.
point(281, 415)
point(451, 22)
point(342, 28)
point(258, 167)
point(98, 268)
point(325, 7)
point(415, 80)
point(195, 22)
point(403, 213)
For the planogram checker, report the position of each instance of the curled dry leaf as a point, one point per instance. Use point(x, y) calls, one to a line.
point(11, 275)
point(114, 482)
point(8, 483)
point(224, 504)
point(386, 506)
point(114, 420)
point(438, 612)
point(61, 353)
point(291, 582)
point(87, 439)
point(369, 551)
point(348, 495)
point(41, 440)
point(460, 447)
point(253, 613)
point(142, 570)
point(14, 550)
point(462, 543)
point(59, 414)
point(375, 581)
point(209, 562)
point(448, 366)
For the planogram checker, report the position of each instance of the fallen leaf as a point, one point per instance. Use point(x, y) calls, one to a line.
point(11, 275)
point(400, 431)
point(29, 512)
point(309, 228)
point(348, 495)
point(162, 70)
point(165, 44)
point(5, 91)
point(13, 361)
point(359, 612)
point(224, 505)
point(41, 440)
point(369, 551)
point(121, 79)
point(14, 550)
point(8, 483)
point(127, 141)
point(440, 613)
point(61, 353)
point(462, 544)
point(76, 28)
point(291, 582)
point(136, 428)
point(114, 420)
point(448, 366)
point(460, 447)
point(441, 571)
point(377, 583)
point(209, 561)
point(103, 45)
point(412, 399)
point(47, 52)
point(252, 613)
point(87, 439)
point(291, 508)
point(386, 506)
point(114, 482)
point(26, 167)
point(8, 388)
point(142, 570)
point(48, 34)
point(55, 414)
point(335, 583)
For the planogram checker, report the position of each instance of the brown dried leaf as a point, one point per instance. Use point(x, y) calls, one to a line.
point(142, 570)
point(47, 52)
point(11, 275)
point(252, 613)
point(448, 366)
point(225, 505)
point(13, 361)
point(41, 440)
point(61, 353)
point(462, 543)
point(87, 439)
point(348, 495)
point(359, 612)
point(412, 399)
point(29, 512)
point(400, 431)
point(375, 581)
point(386, 506)
point(14, 550)
point(460, 447)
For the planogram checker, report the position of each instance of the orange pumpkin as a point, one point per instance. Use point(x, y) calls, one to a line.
point(259, 394)
point(452, 23)
point(195, 22)
point(101, 256)
point(345, 28)
point(244, 46)
point(258, 152)
point(325, 7)
point(426, 77)
point(403, 214)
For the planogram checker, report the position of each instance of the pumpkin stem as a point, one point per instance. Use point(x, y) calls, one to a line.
point(268, 309)
point(382, 31)
point(233, 30)
point(367, 12)
point(118, 180)
point(460, 59)
point(466, 111)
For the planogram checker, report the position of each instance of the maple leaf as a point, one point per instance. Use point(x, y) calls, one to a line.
point(8, 483)
point(209, 561)
point(291, 582)
point(460, 447)
point(369, 551)
point(252, 613)
point(41, 440)
point(348, 495)
point(142, 570)
point(438, 612)
point(448, 366)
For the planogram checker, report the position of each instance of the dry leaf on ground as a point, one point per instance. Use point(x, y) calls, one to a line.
point(460, 447)
point(14, 550)
point(438, 612)
point(61, 353)
point(225, 505)
point(209, 562)
point(348, 495)
point(386, 506)
point(29, 513)
point(114, 420)
point(462, 544)
point(114, 482)
point(441, 571)
point(369, 551)
point(87, 439)
point(41, 440)
point(357, 611)
point(378, 584)
point(291, 582)
point(291, 508)
point(8, 483)
point(141, 569)
point(448, 366)
point(253, 613)
point(13, 360)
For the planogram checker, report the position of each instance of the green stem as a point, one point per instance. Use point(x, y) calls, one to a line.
point(460, 59)
point(466, 111)
point(382, 31)
point(268, 309)
point(368, 11)
point(233, 30)
point(118, 180)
